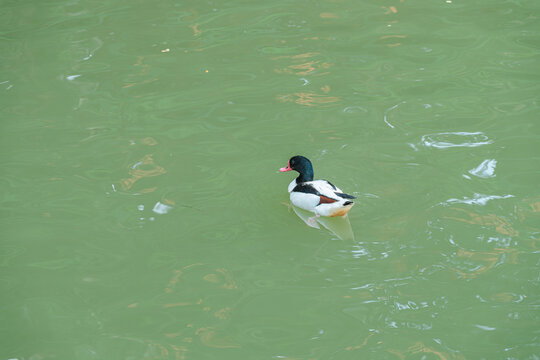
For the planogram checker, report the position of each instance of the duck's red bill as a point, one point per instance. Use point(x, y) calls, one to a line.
point(286, 168)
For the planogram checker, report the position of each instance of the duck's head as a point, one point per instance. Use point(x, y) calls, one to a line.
point(302, 165)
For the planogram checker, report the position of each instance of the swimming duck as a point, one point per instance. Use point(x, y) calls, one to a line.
point(319, 196)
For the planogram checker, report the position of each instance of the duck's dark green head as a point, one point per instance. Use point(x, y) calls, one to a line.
point(302, 165)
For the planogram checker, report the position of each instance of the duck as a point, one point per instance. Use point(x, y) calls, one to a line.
point(318, 196)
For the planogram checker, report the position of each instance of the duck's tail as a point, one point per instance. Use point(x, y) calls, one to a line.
point(342, 210)
point(338, 208)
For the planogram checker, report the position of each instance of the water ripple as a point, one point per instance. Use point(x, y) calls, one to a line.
point(447, 140)
point(478, 199)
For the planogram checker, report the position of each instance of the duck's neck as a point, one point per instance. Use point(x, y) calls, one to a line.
point(305, 175)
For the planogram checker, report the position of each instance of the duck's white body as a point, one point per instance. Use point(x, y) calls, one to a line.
point(320, 197)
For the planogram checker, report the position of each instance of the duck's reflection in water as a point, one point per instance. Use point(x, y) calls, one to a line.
point(338, 225)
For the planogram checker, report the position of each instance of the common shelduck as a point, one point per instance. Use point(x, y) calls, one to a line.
point(319, 196)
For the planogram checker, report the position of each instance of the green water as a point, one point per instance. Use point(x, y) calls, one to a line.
point(143, 216)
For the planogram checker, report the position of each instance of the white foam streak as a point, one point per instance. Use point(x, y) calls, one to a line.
point(486, 328)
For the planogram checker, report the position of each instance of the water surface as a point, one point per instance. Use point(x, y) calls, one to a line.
point(143, 216)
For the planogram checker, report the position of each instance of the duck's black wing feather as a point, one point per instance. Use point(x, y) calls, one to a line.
point(306, 188)
point(345, 196)
point(332, 185)
point(340, 194)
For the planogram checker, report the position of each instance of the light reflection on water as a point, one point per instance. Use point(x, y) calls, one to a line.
point(338, 226)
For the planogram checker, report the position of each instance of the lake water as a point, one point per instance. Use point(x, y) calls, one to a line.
point(144, 216)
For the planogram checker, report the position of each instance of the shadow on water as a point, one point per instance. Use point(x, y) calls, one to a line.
point(339, 226)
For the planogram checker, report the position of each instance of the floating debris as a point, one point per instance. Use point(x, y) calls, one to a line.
point(161, 209)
